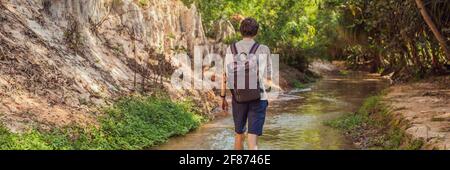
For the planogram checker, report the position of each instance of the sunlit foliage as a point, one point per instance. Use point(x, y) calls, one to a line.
point(382, 36)
point(392, 36)
point(296, 29)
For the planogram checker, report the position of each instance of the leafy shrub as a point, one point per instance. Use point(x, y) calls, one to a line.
point(372, 124)
point(132, 123)
point(232, 39)
point(136, 123)
point(295, 29)
point(29, 140)
point(298, 85)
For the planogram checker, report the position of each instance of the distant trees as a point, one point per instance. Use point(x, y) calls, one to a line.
point(437, 33)
point(409, 38)
point(296, 29)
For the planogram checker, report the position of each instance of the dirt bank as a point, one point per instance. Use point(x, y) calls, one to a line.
point(420, 109)
point(413, 115)
point(425, 105)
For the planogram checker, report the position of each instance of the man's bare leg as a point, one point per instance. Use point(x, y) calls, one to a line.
point(239, 142)
point(252, 142)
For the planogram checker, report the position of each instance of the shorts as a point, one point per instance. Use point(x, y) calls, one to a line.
point(252, 112)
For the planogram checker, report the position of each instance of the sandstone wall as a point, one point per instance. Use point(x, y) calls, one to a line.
point(62, 59)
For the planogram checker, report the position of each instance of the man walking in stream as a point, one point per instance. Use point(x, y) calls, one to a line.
point(248, 74)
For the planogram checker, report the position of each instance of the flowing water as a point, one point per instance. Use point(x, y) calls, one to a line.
point(295, 119)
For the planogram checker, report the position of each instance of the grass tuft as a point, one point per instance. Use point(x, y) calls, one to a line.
point(299, 85)
point(372, 127)
point(132, 123)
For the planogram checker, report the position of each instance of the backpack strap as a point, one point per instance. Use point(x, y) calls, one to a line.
point(253, 52)
point(234, 49)
point(254, 48)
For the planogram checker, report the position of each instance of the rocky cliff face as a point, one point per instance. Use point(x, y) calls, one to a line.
point(62, 59)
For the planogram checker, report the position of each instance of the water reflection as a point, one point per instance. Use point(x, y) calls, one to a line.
point(295, 120)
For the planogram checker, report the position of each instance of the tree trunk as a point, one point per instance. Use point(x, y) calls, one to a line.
point(442, 40)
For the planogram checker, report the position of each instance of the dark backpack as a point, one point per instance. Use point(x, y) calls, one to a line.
point(244, 70)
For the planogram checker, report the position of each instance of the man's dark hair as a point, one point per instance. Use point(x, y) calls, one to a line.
point(249, 27)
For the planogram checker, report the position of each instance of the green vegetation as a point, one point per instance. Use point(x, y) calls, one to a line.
point(231, 39)
point(299, 85)
point(353, 121)
point(388, 36)
point(143, 3)
point(372, 126)
point(344, 72)
point(297, 29)
point(132, 123)
point(392, 36)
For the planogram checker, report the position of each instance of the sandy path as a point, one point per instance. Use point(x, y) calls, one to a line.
point(426, 105)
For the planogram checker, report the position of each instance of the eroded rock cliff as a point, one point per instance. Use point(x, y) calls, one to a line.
point(62, 59)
